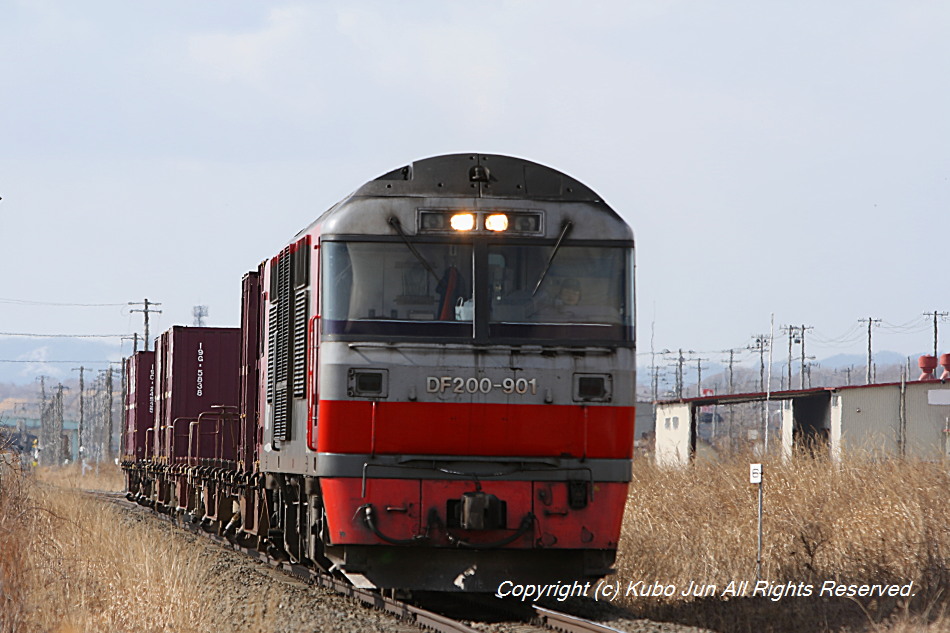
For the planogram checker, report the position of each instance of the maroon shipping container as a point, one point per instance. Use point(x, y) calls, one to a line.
point(197, 403)
point(251, 322)
point(139, 404)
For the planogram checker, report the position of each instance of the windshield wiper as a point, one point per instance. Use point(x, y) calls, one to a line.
point(394, 221)
point(557, 245)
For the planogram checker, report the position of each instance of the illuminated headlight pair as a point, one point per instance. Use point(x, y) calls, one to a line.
point(466, 222)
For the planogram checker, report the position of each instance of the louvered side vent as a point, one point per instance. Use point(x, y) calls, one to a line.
point(282, 360)
point(281, 428)
point(300, 343)
point(271, 353)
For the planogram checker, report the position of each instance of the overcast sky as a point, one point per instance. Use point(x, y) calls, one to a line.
point(786, 158)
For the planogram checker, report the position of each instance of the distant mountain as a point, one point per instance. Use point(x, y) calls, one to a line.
point(840, 361)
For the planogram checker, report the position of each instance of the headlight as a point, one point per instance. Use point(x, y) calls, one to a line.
point(497, 222)
point(463, 221)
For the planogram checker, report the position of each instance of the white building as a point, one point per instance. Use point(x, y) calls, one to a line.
point(896, 419)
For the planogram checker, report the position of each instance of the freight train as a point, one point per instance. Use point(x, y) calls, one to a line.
point(432, 387)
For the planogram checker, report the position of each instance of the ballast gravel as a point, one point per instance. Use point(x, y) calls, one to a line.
point(243, 595)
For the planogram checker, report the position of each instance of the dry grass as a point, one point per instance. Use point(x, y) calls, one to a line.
point(860, 521)
point(69, 562)
point(103, 477)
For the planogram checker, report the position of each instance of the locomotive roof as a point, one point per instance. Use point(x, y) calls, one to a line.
point(484, 178)
point(479, 175)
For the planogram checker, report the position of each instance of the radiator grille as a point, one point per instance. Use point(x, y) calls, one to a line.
point(300, 343)
point(287, 335)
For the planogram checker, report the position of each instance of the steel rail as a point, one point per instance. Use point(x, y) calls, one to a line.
point(571, 623)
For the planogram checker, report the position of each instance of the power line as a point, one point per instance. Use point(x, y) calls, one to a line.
point(37, 335)
point(935, 315)
point(27, 302)
point(145, 304)
point(92, 362)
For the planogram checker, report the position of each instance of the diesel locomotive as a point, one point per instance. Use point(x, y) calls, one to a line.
point(432, 387)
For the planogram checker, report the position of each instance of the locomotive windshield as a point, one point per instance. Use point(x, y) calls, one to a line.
point(429, 290)
point(533, 295)
point(389, 288)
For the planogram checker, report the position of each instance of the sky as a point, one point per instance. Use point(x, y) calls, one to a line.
point(780, 163)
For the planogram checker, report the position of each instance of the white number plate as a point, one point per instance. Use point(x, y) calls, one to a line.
point(458, 384)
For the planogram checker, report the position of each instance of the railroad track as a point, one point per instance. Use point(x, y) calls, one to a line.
point(514, 617)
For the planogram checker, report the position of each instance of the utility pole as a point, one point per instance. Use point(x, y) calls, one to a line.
point(199, 312)
point(935, 314)
point(655, 371)
point(95, 431)
point(45, 442)
point(679, 374)
point(732, 389)
point(807, 369)
point(82, 410)
point(57, 431)
point(804, 328)
point(760, 343)
point(791, 329)
point(731, 361)
point(870, 322)
point(135, 341)
point(680, 360)
point(145, 310)
point(699, 376)
point(108, 438)
point(655, 382)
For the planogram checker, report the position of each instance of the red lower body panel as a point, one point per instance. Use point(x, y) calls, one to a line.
point(404, 509)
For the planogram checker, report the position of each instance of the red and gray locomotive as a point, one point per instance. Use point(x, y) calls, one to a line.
point(432, 387)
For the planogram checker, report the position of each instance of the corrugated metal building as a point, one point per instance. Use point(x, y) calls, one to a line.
point(895, 419)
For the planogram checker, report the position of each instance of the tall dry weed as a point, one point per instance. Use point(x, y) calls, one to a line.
point(15, 517)
point(97, 476)
point(71, 562)
point(860, 520)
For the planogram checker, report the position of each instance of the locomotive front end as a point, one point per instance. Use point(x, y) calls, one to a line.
point(465, 408)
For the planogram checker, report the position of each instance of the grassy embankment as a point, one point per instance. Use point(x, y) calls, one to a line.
point(860, 521)
point(71, 563)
